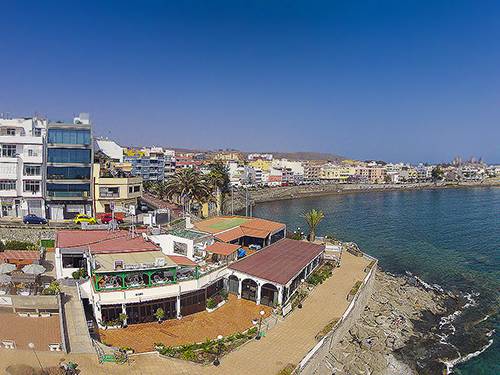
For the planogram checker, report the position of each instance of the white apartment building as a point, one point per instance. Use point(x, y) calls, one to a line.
point(295, 167)
point(21, 166)
point(169, 163)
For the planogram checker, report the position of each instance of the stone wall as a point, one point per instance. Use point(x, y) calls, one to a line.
point(315, 359)
point(31, 234)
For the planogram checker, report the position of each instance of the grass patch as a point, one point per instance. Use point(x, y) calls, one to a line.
point(326, 329)
point(224, 224)
point(355, 288)
point(287, 370)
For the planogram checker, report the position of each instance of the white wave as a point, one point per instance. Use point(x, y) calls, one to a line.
point(461, 359)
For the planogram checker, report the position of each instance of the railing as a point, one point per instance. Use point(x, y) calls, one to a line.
point(64, 194)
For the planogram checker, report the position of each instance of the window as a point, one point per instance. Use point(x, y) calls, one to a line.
point(68, 173)
point(109, 192)
point(180, 248)
point(11, 131)
point(69, 136)
point(68, 190)
point(9, 151)
point(62, 155)
point(134, 189)
point(7, 184)
point(33, 186)
point(31, 170)
point(38, 132)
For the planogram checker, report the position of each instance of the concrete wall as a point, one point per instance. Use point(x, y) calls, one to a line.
point(29, 233)
point(316, 357)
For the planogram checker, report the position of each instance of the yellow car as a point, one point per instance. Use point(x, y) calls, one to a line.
point(82, 218)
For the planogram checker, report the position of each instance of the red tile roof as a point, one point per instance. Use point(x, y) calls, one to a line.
point(279, 262)
point(19, 255)
point(181, 260)
point(230, 235)
point(222, 248)
point(103, 241)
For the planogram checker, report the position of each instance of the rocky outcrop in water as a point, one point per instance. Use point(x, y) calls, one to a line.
point(373, 344)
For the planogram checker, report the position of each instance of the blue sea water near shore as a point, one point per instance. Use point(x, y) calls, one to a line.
point(447, 237)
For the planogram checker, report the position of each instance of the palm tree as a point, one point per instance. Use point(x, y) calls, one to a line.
point(313, 218)
point(188, 185)
point(218, 178)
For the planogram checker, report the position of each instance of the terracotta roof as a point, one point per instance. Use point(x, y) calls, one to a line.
point(103, 241)
point(181, 260)
point(10, 255)
point(279, 262)
point(39, 331)
point(222, 248)
point(263, 224)
point(230, 235)
point(253, 232)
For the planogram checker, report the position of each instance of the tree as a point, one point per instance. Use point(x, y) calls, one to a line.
point(313, 218)
point(218, 178)
point(437, 174)
point(159, 314)
point(123, 319)
point(188, 185)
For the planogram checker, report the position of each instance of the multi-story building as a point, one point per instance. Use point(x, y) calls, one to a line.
point(337, 173)
point(187, 160)
point(254, 157)
point(262, 164)
point(227, 156)
point(69, 156)
point(312, 170)
point(21, 166)
point(116, 191)
point(148, 163)
point(170, 162)
point(371, 174)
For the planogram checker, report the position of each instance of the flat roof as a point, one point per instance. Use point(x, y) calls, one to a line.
point(10, 255)
point(106, 262)
point(228, 228)
point(181, 260)
point(103, 241)
point(222, 248)
point(187, 233)
point(279, 262)
point(220, 223)
point(39, 331)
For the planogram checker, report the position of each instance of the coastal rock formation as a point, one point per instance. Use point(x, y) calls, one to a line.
point(386, 325)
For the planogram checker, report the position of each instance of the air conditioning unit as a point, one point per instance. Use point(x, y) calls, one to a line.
point(160, 262)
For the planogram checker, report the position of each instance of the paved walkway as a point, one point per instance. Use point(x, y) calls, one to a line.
point(287, 343)
point(76, 323)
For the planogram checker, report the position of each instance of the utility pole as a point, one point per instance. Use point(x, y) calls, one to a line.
point(246, 201)
point(232, 201)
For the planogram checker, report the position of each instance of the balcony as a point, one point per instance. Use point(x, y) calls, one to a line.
point(68, 194)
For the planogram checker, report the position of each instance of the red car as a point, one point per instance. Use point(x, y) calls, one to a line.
point(106, 219)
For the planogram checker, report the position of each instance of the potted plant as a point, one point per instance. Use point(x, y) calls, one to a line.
point(160, 314)
point(123, 319)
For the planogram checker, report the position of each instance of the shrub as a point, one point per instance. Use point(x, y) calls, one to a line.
point(53, 289)
point(2, 246)
point(211, 303)
point(188, 355)
point(80, 274)
point(159, 313)
point(224, 294)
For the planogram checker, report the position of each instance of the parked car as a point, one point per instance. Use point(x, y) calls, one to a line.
point(33, 219)
point(106, 219)
point(83, 218)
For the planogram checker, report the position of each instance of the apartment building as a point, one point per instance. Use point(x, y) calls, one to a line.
point(373, 175)
point(69, 157)
point(170, 163)
point(293, 170)
point(148, 163)
point(337, 173)
point(114, 189)
point(21, 166)
point(312, 170)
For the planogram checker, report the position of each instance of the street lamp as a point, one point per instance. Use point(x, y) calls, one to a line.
point(260, 324)
point(32, 347)
point(219, 350)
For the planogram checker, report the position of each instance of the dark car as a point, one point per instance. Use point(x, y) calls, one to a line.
point(106, 219)
point(33, 219)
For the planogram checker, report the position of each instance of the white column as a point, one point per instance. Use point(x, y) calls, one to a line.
point(124, 311)
point(240, 287)
point(259, 290)
point(280, 295)
point(178, 306)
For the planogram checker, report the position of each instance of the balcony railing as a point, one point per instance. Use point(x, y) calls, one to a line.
point(66, 194)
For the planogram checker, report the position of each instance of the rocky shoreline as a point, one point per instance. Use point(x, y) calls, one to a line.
point(398, 332)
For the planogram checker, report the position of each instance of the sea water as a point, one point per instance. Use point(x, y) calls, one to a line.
point(447, 237)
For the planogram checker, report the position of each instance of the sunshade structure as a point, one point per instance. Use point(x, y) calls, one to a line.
point(33, 269)
point(7, 268)
point(5, 279)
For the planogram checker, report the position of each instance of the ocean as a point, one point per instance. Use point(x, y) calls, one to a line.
point(448, 237)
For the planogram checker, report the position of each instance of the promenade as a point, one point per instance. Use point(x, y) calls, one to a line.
point(287, 343)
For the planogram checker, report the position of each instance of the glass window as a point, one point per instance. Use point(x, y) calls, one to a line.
point(109, 192)
point(11, 131)
point(31, 170)
point(68, 173)
point(66, 155)
point(7, 184)
point(69, 136)
point(68, 190)
point(33, 186)
point(9, 151)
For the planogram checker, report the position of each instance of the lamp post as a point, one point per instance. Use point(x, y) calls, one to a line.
point(261, 312)
point(32, 347)
point(219, 350)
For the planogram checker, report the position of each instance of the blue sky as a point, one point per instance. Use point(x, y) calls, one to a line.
point(394, 80)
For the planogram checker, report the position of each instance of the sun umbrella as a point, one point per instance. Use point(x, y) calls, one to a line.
point(7, 267)
point(34, 269)
point(5, 279)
